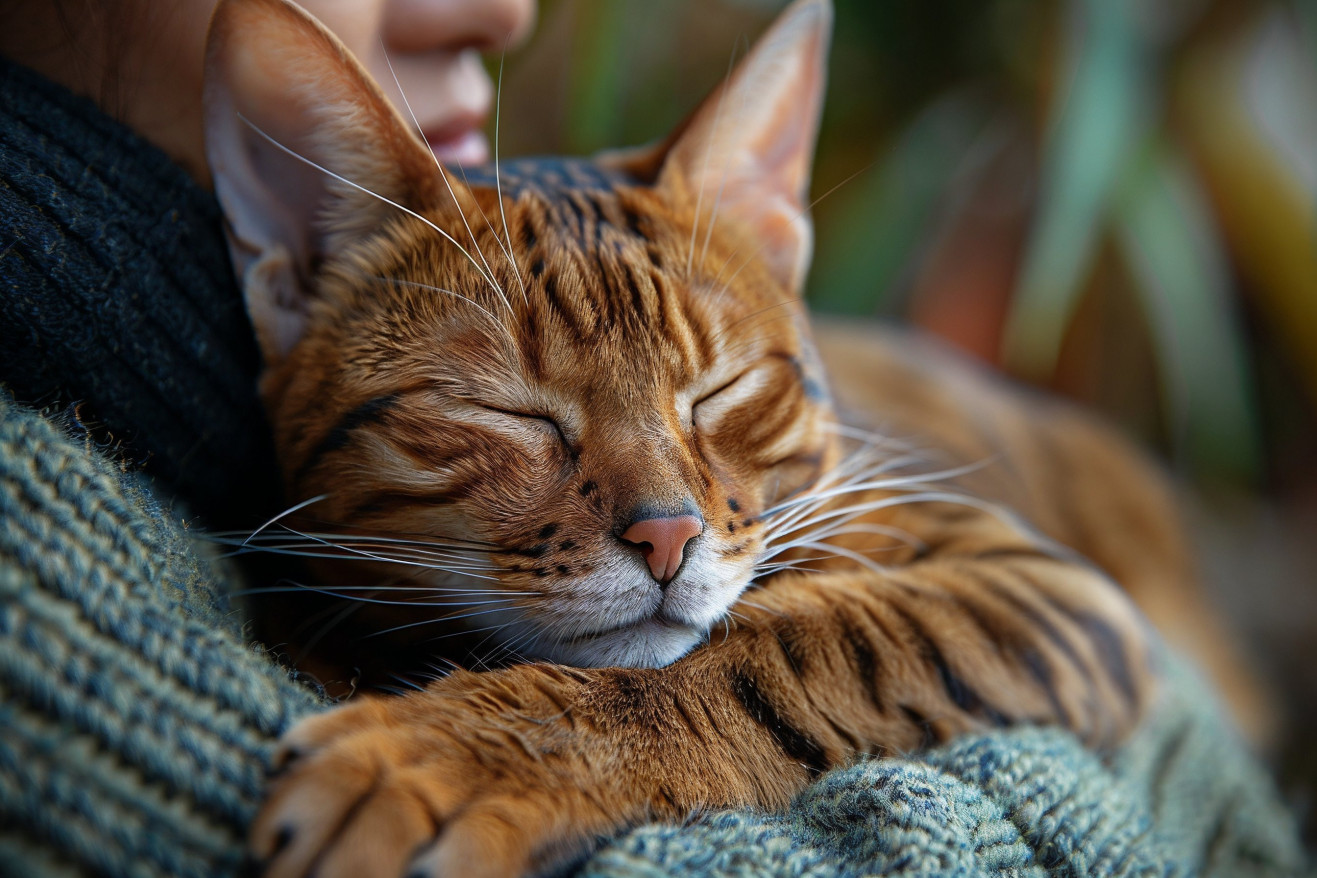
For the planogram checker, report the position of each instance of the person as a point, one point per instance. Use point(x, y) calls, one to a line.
point(136, 717)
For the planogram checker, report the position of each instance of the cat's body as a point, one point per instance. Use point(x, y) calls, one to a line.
point(575, 407)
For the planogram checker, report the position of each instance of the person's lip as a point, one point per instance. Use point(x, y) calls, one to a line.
point(460, 144)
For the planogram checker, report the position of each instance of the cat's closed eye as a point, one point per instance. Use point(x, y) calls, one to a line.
point(542, 419)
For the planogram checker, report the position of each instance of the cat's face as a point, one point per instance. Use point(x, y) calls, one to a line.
point(571, 390)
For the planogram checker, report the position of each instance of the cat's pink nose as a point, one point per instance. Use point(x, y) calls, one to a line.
point(663, 540)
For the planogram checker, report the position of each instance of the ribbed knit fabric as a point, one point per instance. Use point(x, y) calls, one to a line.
point(1182, 798)
point(135, 716)
point(118, 298)
point(135, 721)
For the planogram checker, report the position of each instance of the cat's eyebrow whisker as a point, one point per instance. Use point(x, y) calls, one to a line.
point(507, 253)
point(417, 284)
point(717, 336)
point(498, 183)
point(345, 181)
point(708, 155)
point(443, 174)
point(798, 215)
point(727, 164)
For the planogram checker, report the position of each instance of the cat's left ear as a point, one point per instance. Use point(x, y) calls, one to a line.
point(749, 147)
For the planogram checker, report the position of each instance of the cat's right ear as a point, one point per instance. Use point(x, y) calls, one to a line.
point(306, 154)
point(745, 154)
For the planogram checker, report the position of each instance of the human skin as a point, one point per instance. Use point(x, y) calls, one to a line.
point(142, 60)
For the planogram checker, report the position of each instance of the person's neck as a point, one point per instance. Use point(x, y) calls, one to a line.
point(144, 72)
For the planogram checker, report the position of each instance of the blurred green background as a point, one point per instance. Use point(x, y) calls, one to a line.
point(1113, 199)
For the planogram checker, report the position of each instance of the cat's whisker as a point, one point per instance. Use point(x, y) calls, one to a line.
point(858, 557)
point(787, 515)
point(325, 549)
point(847, 528)
point(926, 497)
point(742, 600)
point(466, 632)
point(390, 537)
point(460, 592)
point(444, 175)
point(410, 685)
point(345, 181)
point(816, 515)
point(444, 618)
point(454, 559)
point(287, 512)
point(765, 570)
point(453, 544)
point(338, 617)
point(879, 485)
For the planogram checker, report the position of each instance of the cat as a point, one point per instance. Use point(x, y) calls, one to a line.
point(572, 410)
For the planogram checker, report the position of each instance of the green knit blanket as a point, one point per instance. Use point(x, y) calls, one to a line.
point(136, 720)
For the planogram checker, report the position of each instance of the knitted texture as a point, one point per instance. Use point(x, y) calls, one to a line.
point(135, 717)
point(119, 300)
point(1181, 798)
point(135, 721)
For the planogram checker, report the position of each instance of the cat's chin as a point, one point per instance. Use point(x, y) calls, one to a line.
point(649, 643)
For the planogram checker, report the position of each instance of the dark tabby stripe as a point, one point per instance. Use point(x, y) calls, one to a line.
point(798, 746)
point(370, 412)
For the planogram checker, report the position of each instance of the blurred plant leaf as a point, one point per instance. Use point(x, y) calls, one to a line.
point(884, 216)
point(1166, 233)
point(1096, 116)
point(597, 76)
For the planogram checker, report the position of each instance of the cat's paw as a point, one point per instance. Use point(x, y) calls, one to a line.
point(435, 784)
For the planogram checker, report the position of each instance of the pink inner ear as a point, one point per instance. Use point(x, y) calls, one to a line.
point(749, 146)
point(276, 80)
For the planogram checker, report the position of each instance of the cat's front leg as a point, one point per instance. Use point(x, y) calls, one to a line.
point(506, 772)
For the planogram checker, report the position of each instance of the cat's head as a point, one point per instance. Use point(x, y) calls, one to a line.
point(562, 397)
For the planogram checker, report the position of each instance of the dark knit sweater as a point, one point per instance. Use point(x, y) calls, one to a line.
point(120, 305)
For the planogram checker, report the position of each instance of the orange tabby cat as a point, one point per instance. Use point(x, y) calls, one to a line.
point(580, 397)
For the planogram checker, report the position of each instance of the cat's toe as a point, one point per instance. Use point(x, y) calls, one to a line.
point(491, 838)
point(380, 836)
point(340, 811)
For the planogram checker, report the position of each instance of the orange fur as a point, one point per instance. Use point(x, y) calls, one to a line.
point(494, 376)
